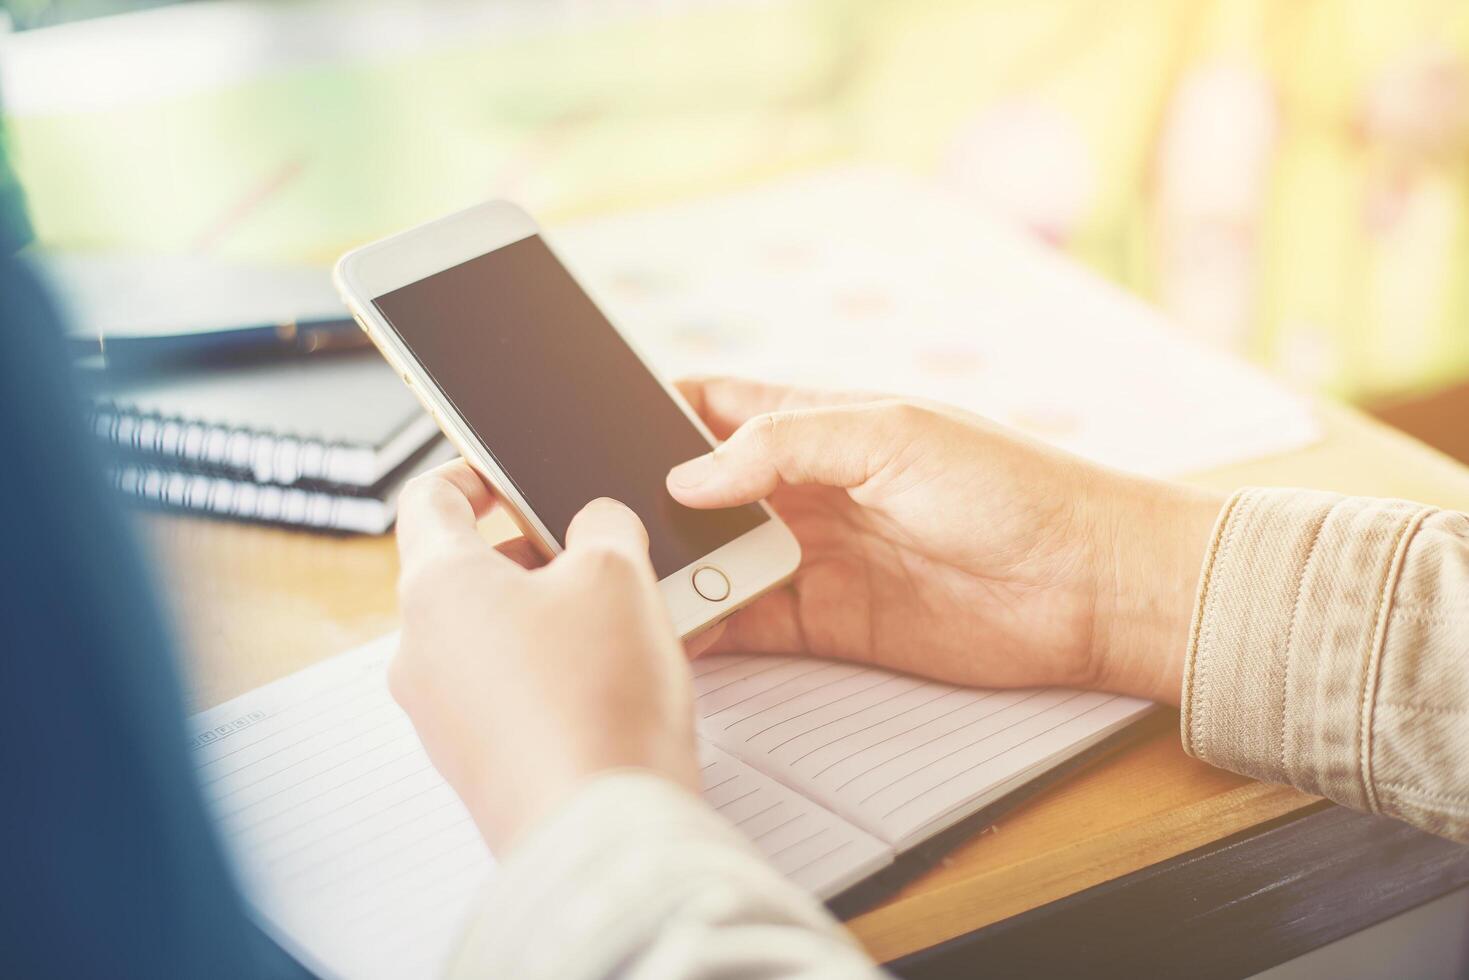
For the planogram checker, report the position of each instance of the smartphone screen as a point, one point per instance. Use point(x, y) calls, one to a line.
point(556, 396)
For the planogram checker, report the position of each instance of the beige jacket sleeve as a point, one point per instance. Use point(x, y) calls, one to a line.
point(1330, 650)
point(636, 878)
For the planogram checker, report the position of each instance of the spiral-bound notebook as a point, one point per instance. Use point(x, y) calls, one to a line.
point(342, 419)
point(309, 504)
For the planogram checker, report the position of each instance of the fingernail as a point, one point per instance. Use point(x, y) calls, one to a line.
point(693, 473)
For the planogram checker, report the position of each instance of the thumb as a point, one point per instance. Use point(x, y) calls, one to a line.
point(837, 446)
point(606, 523)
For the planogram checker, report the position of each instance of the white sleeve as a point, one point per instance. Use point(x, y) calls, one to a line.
point(636, 878)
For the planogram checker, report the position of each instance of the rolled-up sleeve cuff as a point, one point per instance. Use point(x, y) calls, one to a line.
point(1287, 634)
point(630, 861)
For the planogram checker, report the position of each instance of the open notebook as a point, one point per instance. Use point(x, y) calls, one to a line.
point(363, 863)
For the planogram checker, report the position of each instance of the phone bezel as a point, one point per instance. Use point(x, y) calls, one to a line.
point(756, 562)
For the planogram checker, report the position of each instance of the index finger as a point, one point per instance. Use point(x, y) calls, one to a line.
point(459, 473)
point(725, 404)
point(438, 511)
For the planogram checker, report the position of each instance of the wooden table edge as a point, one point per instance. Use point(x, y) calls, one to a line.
point(943, 913)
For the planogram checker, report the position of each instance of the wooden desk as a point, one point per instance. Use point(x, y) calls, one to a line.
point(255, 604)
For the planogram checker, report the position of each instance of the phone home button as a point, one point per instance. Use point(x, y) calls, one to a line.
point(711, 583)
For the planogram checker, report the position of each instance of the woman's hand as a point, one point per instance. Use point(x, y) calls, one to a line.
point(522, 682)
point(937, 543)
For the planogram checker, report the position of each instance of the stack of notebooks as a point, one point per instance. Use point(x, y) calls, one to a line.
point(325, 441)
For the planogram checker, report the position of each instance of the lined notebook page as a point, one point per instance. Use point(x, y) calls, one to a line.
point(363, 862)
point(359, 857)
point(804, 841)
point(898, 756)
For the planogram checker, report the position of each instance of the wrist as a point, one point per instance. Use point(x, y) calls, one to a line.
point(515, 792)
point(1151, 546)
point(507, 800)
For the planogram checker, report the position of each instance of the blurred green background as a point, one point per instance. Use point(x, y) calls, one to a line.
point(1288, 180)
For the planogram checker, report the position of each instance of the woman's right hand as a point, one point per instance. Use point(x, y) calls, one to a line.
point(937, 543)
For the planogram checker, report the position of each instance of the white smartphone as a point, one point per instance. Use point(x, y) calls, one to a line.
point(550, 403)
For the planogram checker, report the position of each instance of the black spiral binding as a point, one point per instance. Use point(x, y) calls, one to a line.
point(259, 455)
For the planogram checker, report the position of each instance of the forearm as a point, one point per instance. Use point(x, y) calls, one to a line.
point(1330, 650)
point(634, 877)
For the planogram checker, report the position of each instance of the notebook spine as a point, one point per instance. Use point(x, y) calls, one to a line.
point(265, 457)
point(241, 499)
